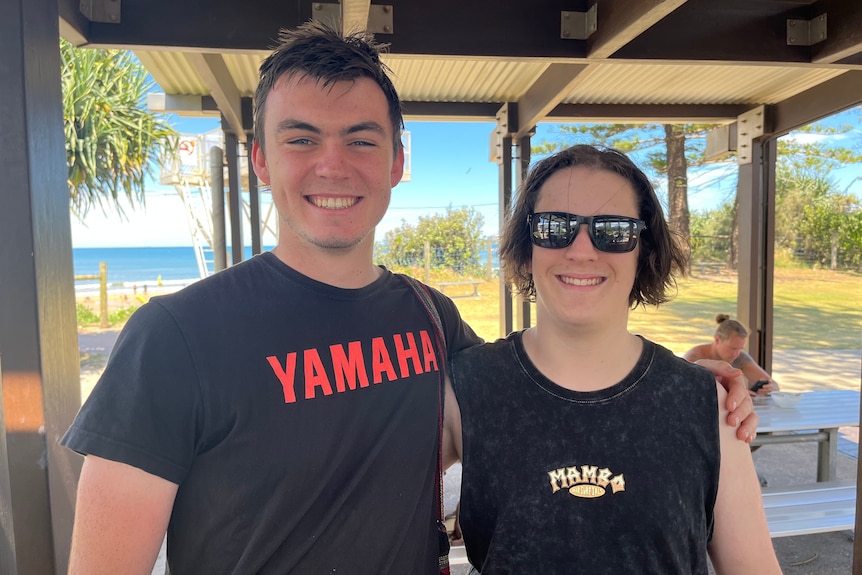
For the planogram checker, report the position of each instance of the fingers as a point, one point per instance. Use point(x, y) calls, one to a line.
point(748, 429)
point(741, 409)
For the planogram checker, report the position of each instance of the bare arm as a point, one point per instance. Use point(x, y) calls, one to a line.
point(121, 517)
point(754, 372)
point(738, 402)
point(451, 428)
point(693, 354)
point(740, 540)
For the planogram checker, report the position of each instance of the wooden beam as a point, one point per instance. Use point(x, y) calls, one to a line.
point(181, 104)
point(673, 30)
point(843, 31)
point(74, 28)
point(629, 113)
point(648, 113)
point(549, 89)
point(354, 14)
point(621, 21)
point(216, 76)
point(450, 111)
point(728, 31)
point(831, 97)
point(214, 25)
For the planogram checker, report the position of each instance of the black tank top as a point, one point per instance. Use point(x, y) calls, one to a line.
point(622, 480)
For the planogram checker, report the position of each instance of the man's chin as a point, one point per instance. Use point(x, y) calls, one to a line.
point(336, 243)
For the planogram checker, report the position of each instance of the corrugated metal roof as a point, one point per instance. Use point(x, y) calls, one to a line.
point(454, 79)
point(620, 83)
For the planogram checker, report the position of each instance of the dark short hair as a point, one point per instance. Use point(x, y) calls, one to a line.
point(315, 50)
point(661, 254)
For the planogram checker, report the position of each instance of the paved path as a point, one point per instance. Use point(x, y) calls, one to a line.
point(802, 370)
point(97, 341)
point(810, 370)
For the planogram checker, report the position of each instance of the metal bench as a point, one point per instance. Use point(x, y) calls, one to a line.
point(474, 283)
point(458, 555)
point(709, 267)
point(794, 510)
point(813, 508)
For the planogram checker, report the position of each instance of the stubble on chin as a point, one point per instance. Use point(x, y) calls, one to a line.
point(335, 243)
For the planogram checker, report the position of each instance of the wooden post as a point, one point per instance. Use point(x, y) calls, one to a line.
point(38, 336)
point(8, 563)
point(490, 246)
point(857, 541)
point(103, 294)
point(427, 261)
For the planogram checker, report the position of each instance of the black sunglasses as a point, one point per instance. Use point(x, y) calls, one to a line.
point(557, 230)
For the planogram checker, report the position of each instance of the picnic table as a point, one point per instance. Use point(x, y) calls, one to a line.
point(816, 418)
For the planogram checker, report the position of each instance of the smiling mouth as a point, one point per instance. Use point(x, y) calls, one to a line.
point(581, 282)
point(329, 203)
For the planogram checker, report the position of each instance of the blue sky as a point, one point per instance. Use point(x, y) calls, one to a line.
point(450, 166)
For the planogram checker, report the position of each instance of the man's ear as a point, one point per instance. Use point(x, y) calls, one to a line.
point(259, 162)
point(397, 167)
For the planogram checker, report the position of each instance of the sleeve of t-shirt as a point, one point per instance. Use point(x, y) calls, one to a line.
point(459, 334)
point(145, 410)
point(742, 360)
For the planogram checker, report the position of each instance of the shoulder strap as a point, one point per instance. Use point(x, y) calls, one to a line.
point(424, 296)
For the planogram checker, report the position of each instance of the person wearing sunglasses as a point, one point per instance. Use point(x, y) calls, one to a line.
point(579, 452)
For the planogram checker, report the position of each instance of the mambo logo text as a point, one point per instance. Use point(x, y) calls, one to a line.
point(588, 481)
point(347, 366)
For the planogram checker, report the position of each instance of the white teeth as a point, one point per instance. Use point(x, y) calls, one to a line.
point(580, 282)
point(333, 203)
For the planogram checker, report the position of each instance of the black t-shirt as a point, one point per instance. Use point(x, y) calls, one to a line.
point(299, 420)
point(621, 480)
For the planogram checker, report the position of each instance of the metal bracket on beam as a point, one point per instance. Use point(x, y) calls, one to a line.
point(380, 16)
point(578, 25)
point(806, 32)
point(380, 19)
point(327, 13)
point(104, 11)
point(750, 125)
point(507, 125)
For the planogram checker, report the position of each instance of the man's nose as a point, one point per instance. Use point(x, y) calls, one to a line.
point(582, 246)
point(330, 160)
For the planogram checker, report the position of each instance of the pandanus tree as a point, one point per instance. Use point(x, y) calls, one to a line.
point(113, 143)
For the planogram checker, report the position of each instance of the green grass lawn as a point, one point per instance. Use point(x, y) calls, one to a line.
point(814, 309)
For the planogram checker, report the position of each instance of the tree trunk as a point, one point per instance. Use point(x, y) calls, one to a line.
point(834, 263)
point(677, 181)
point(732, 254)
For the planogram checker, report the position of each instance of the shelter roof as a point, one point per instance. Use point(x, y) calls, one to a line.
point(562, 60)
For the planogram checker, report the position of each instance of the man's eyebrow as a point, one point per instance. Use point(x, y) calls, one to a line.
point(290, 124)
point(369, 126)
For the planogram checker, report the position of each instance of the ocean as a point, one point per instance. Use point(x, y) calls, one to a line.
point(143, 266)
point(137, 264)
point(129, 266)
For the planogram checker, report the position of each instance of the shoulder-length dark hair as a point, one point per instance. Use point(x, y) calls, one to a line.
point(662, 255)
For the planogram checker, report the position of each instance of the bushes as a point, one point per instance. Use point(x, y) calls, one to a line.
point(88, 317)
point(454, 242)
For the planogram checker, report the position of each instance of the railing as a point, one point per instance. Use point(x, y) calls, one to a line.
point(103, 291)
